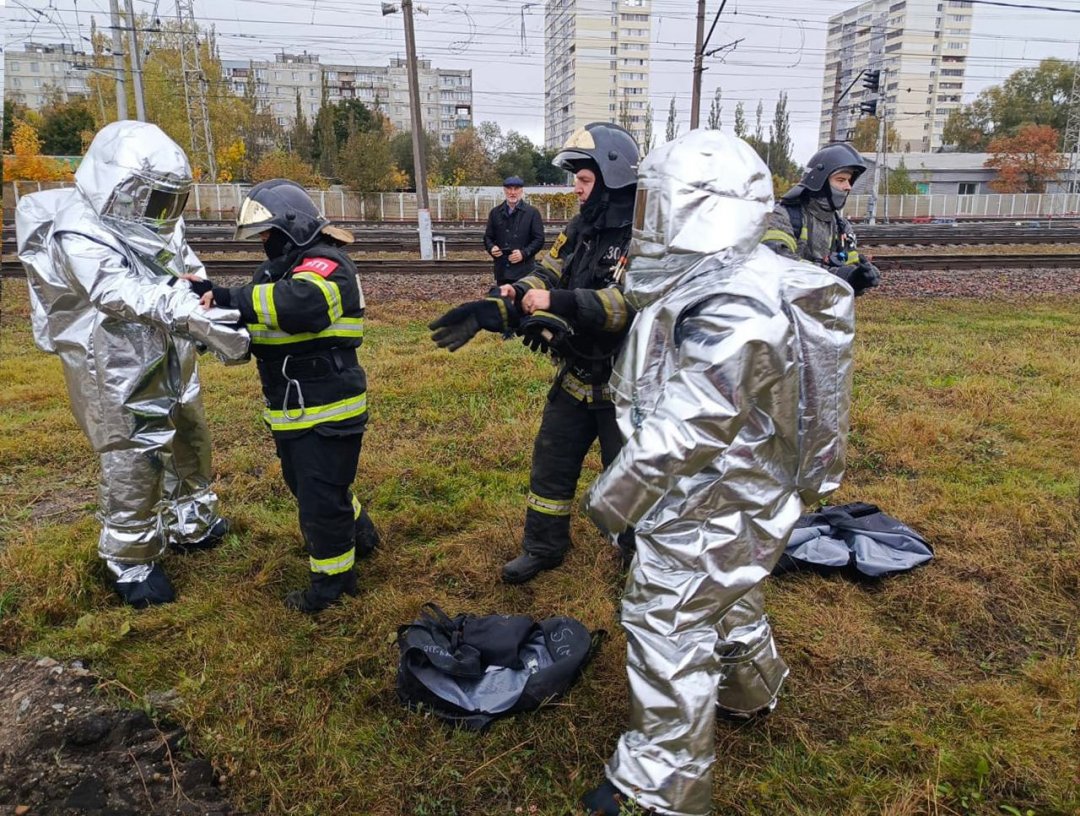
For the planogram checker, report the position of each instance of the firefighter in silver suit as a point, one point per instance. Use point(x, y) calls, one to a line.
point(105, 261)
point(733, 395)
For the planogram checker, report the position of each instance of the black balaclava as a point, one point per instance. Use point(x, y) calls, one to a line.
point(277, 244)
point(595, 205)
point(837, 198)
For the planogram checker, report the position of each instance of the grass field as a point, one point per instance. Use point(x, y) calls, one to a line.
point(954, 689)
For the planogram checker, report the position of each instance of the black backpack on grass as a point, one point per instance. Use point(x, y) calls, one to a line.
point(470, 670)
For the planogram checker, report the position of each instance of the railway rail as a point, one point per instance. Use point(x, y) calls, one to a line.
point(212, 237)
point(407, 267)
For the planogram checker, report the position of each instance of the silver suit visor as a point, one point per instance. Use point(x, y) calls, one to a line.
point(151, 202)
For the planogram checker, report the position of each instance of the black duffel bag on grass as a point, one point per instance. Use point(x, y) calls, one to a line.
point(470, 670)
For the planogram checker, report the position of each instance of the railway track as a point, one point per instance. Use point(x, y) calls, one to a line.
point(406, 267)
point(208, 238)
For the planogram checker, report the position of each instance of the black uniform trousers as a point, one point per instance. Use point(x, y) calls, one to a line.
point(567, 430)
point(319, 471)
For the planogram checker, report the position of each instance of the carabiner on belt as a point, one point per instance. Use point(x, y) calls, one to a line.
point(290, 383)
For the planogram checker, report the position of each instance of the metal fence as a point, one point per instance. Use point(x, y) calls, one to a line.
point(220, 202)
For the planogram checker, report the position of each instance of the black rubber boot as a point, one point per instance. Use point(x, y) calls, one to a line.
point(367, 536)
point(526, 567)
point(142, 585)
point(325, 591)
point(607, 800)
point(214, 536)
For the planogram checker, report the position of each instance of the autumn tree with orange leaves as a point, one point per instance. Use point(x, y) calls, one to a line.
point(26, 162)
point(1027, 161)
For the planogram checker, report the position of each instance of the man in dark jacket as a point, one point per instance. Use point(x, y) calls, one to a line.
point(514, 234)
point(572, 306)
point(305, 313)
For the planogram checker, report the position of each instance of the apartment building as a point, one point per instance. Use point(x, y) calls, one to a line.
point(921, 48)
point(445, 95)
point(38, 70)
point(596, 65)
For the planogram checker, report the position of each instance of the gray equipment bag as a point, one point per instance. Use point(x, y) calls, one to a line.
point(470, 670)
point(856, 535)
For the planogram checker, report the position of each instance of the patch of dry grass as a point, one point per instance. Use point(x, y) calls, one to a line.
point(951, 690)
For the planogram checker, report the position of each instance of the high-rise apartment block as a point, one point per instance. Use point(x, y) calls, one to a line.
point(596, 66)
point(921, 48)
point(38, 72)
point(445, 95)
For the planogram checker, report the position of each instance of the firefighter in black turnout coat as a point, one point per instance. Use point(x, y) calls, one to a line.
point(305, 312)
point(572, 306)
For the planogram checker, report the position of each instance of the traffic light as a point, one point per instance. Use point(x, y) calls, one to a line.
point(871, 80)
point(869, 108)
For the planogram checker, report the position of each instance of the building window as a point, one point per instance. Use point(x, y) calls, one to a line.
point(967, 188)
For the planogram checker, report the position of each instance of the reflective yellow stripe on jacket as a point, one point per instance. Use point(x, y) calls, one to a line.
point(299, 419)
point(330, 291)
point(783, 237)
point(269, 335)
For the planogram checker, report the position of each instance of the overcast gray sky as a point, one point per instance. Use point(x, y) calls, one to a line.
point(781, 46)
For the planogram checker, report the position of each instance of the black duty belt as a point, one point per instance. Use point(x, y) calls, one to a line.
point(311, 366)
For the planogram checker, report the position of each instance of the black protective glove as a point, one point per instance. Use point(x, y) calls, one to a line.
point(546, 332)
point(861, 276)
point(458, 326)
point(200, 286)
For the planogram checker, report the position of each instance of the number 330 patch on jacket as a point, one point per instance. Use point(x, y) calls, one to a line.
point(324, 267)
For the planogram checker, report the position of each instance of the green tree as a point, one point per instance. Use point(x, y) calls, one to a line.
point(779, 153)
point(715, 110)
point(366, 163)
point(672, 129)
point(546, 172)
point(1037, 96)
point(865, 136)
point(402, 155)
point(65, 128)
point(898, 181)
point(491, 137)
point(647, 136)
point(740, 120)
point(12, 112)
point(625, 121)
point(518, 158)
point(466, 162)
point(301, 141)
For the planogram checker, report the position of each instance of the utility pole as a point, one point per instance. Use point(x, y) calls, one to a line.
point(202, 138)
point(836, 103)
point(136, 63)
point(1070, 143)
point(423, 208)
point(878, 161)
point(699, 69)
point(118, 61)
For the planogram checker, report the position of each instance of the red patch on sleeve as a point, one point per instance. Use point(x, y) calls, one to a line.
point(323, 267)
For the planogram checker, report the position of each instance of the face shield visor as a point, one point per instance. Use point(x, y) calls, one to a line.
point(154, 203)
point(252, 219)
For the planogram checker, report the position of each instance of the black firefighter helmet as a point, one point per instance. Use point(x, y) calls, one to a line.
point(824, 163)
point(612, 149)
point(282, 205)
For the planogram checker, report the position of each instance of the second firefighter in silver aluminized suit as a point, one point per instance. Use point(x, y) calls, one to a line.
point(105, 261)
point(733, 394)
